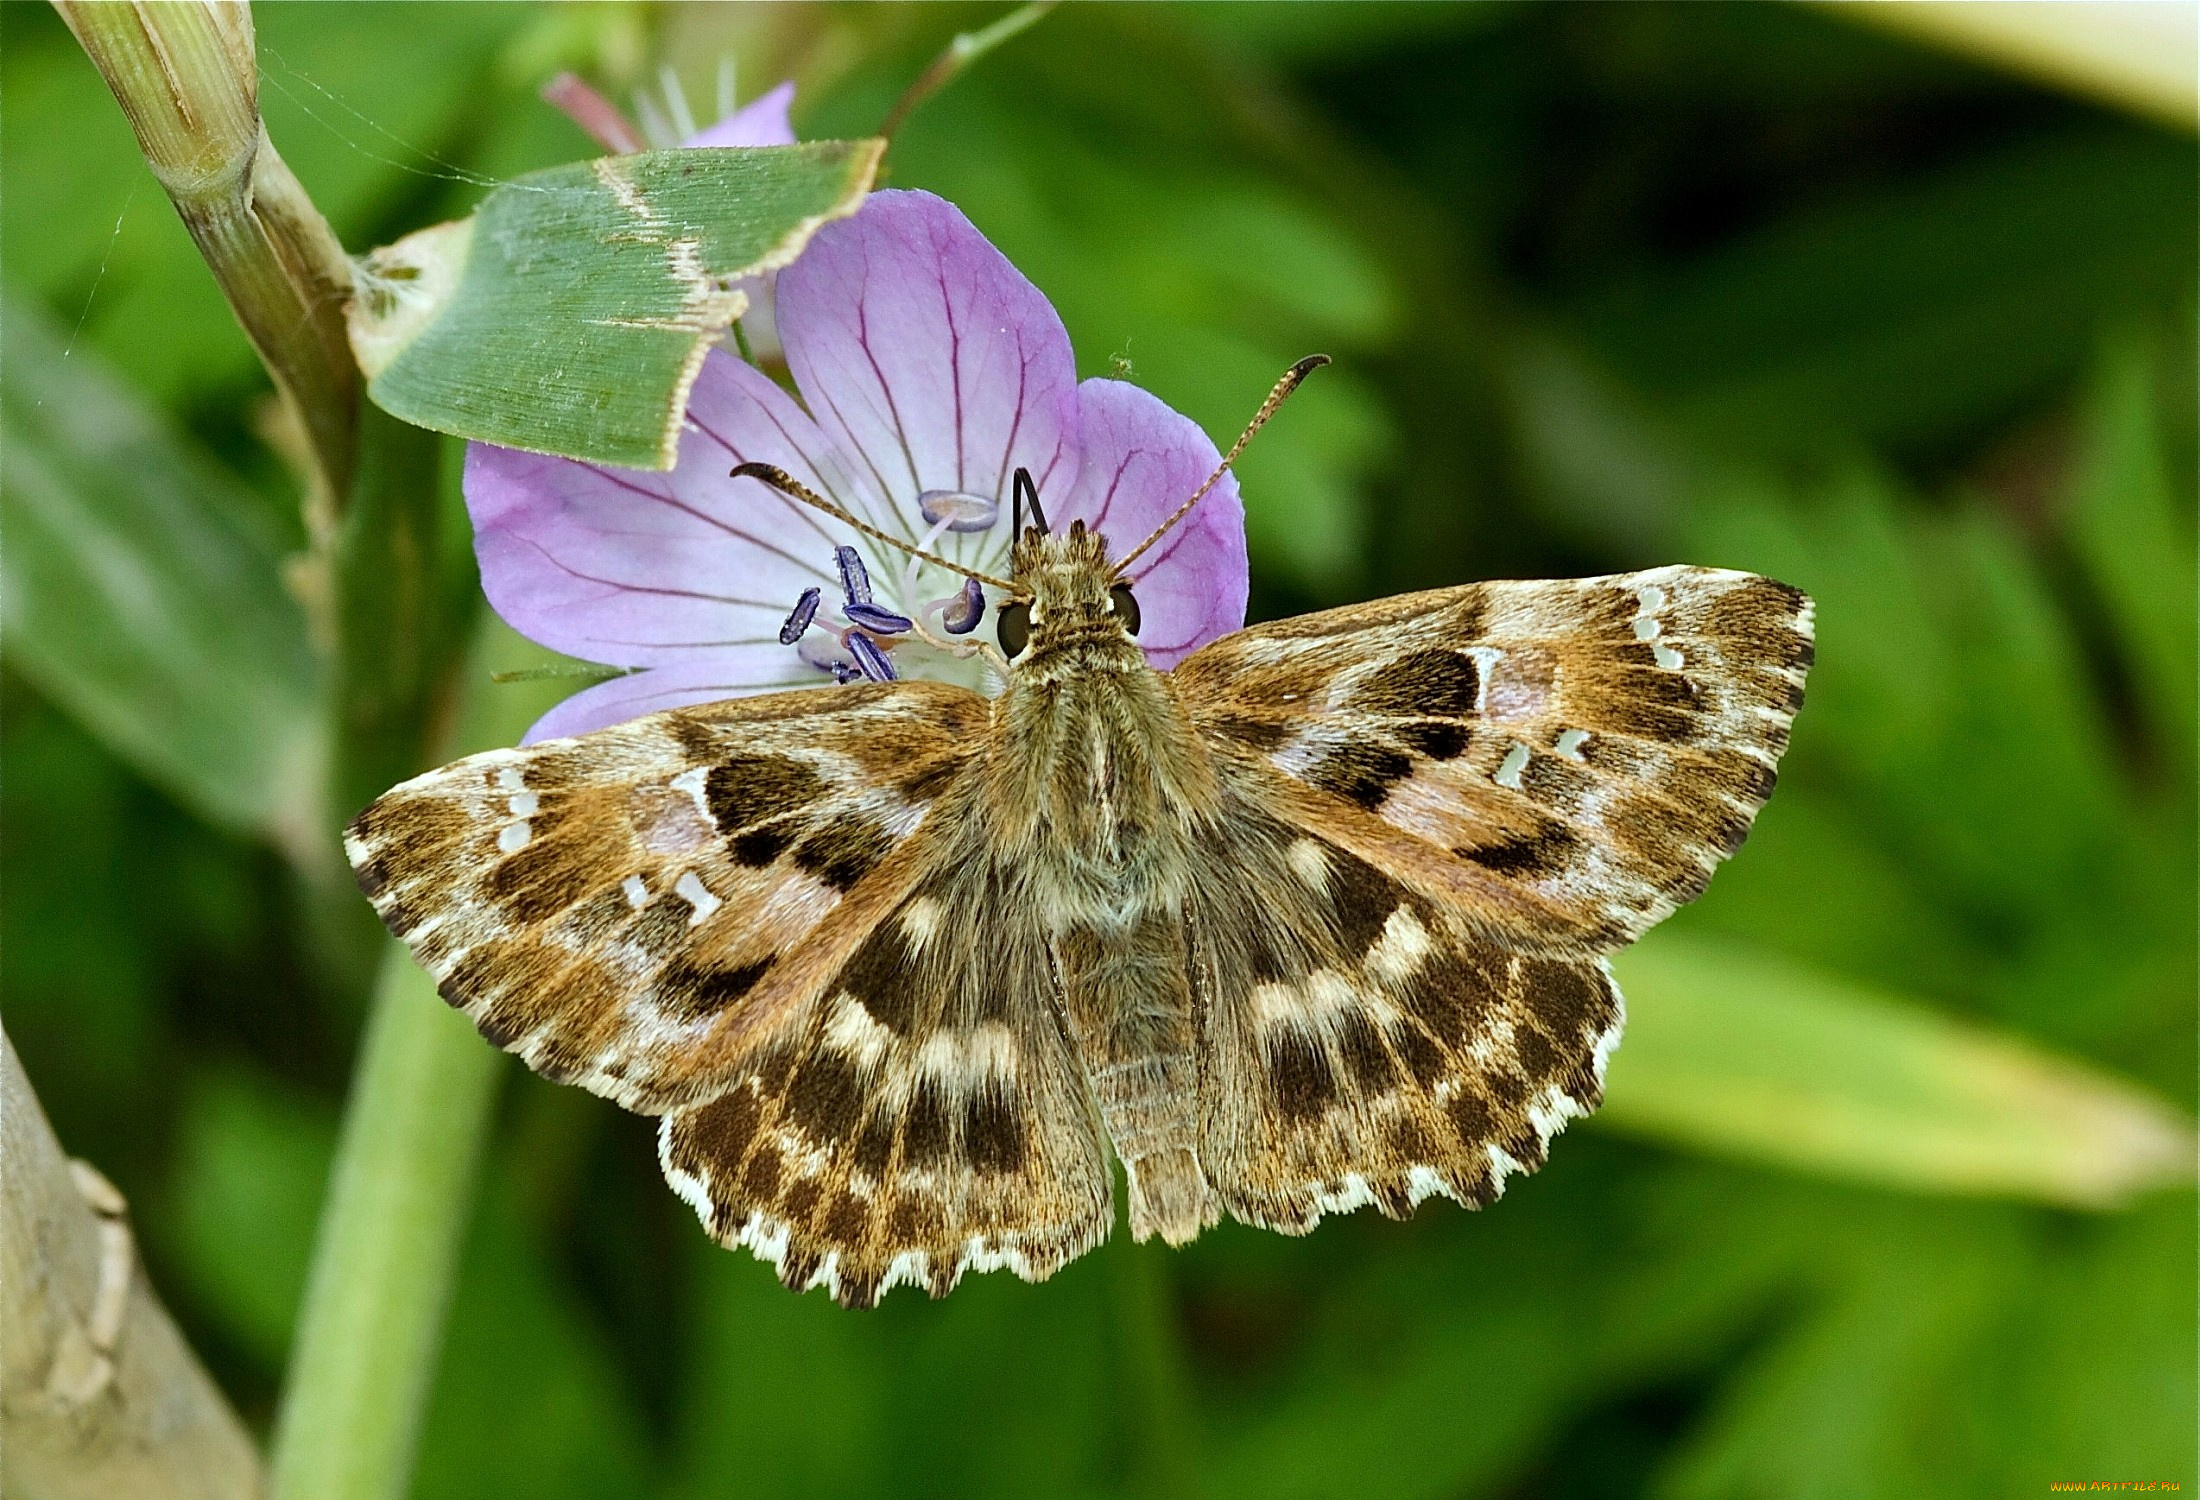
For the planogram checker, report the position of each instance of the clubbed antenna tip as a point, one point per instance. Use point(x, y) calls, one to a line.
point(1276, 396)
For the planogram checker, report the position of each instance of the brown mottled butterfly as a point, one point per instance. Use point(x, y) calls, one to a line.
point(1315, 920)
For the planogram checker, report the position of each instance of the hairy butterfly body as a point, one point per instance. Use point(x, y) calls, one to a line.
point(1315, 921)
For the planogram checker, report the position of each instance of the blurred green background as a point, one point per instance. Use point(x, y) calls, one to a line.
point(1609, 286)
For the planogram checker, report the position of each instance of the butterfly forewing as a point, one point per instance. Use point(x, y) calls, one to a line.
point(626, 909)
point(1560, 762)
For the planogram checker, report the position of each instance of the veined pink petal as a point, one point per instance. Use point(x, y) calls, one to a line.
point(760, 122)
point(636, 568)
point(927, 357)
point(732, 673)
point(1143, 460)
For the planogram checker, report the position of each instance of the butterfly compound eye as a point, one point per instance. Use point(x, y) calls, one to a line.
point(1125, 605)
point(1013, 624)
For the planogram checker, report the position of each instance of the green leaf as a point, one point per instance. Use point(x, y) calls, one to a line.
point(397, 624)
point(140, 596)
point(1755, 1057)
point(2136, 541)
point(571, 313)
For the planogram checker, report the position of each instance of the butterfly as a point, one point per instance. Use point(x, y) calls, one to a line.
point(1316, 920)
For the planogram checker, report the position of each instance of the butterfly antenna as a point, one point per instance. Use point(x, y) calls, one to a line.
point(794, 489)
point(1027, 493)
point(1283, 388)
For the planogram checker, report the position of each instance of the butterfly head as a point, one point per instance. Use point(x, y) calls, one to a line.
point(1068, 595)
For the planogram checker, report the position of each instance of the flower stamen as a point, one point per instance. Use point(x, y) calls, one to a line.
point(855, 579)
point(957, 510)
point(877, 618)
point(798, 620)
point(870, 657)
point(961, 614)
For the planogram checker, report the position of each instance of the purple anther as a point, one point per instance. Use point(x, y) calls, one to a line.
point(958, 510)
point(963, 614)
point(854, 580)
point(869, 657)
point(877, 617)
point(805, 610)
point(845, 672)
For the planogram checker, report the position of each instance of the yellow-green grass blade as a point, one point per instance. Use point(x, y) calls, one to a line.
point(1747, 1054)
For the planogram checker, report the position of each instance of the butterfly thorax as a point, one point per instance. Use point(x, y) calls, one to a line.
point(1095, 769)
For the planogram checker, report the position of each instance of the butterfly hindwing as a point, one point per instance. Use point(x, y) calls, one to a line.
point(625, 909)
point(1360, 1045)
point(1561, 762)
point(923, 1115)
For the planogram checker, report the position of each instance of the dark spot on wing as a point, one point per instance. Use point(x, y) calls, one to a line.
point(993, 1131)
point(843, 851)
point(1365, 1057)
point(1435, 738)
point(1362, 774)
point(546, 877)
point(1543, 852)
point(691, 993)
point(882, 976)
point(1472, 1117)
point(593, 921)
point(760, 1179)
point(845, 1222)
point(1448, 996)
point(1299, 1073)
point(399, 913)
point(875, 1147)
point(1421, 685)
point(758, 847)
point(926, 1133)
point(826, 1096)
point(1362, 900)
point(1538, 1058)
point(1555, 782)
point(801, 1198)
point(717, 1134)
point(659, 927)
point(1422, 1057)
point(914, 1220)
point(471, 978)
point(1572, 1000)
point(749, 789)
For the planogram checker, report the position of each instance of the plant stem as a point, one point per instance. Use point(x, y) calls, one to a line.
point(184, 73)
point(400, 1198)
point(1159, 1420)
point(387, 1251)
point(965, 49)
point(103, 1399)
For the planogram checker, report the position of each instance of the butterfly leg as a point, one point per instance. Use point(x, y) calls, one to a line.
point(1129, 1002)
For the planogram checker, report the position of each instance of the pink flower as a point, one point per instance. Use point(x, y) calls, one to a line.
point(929, 371)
